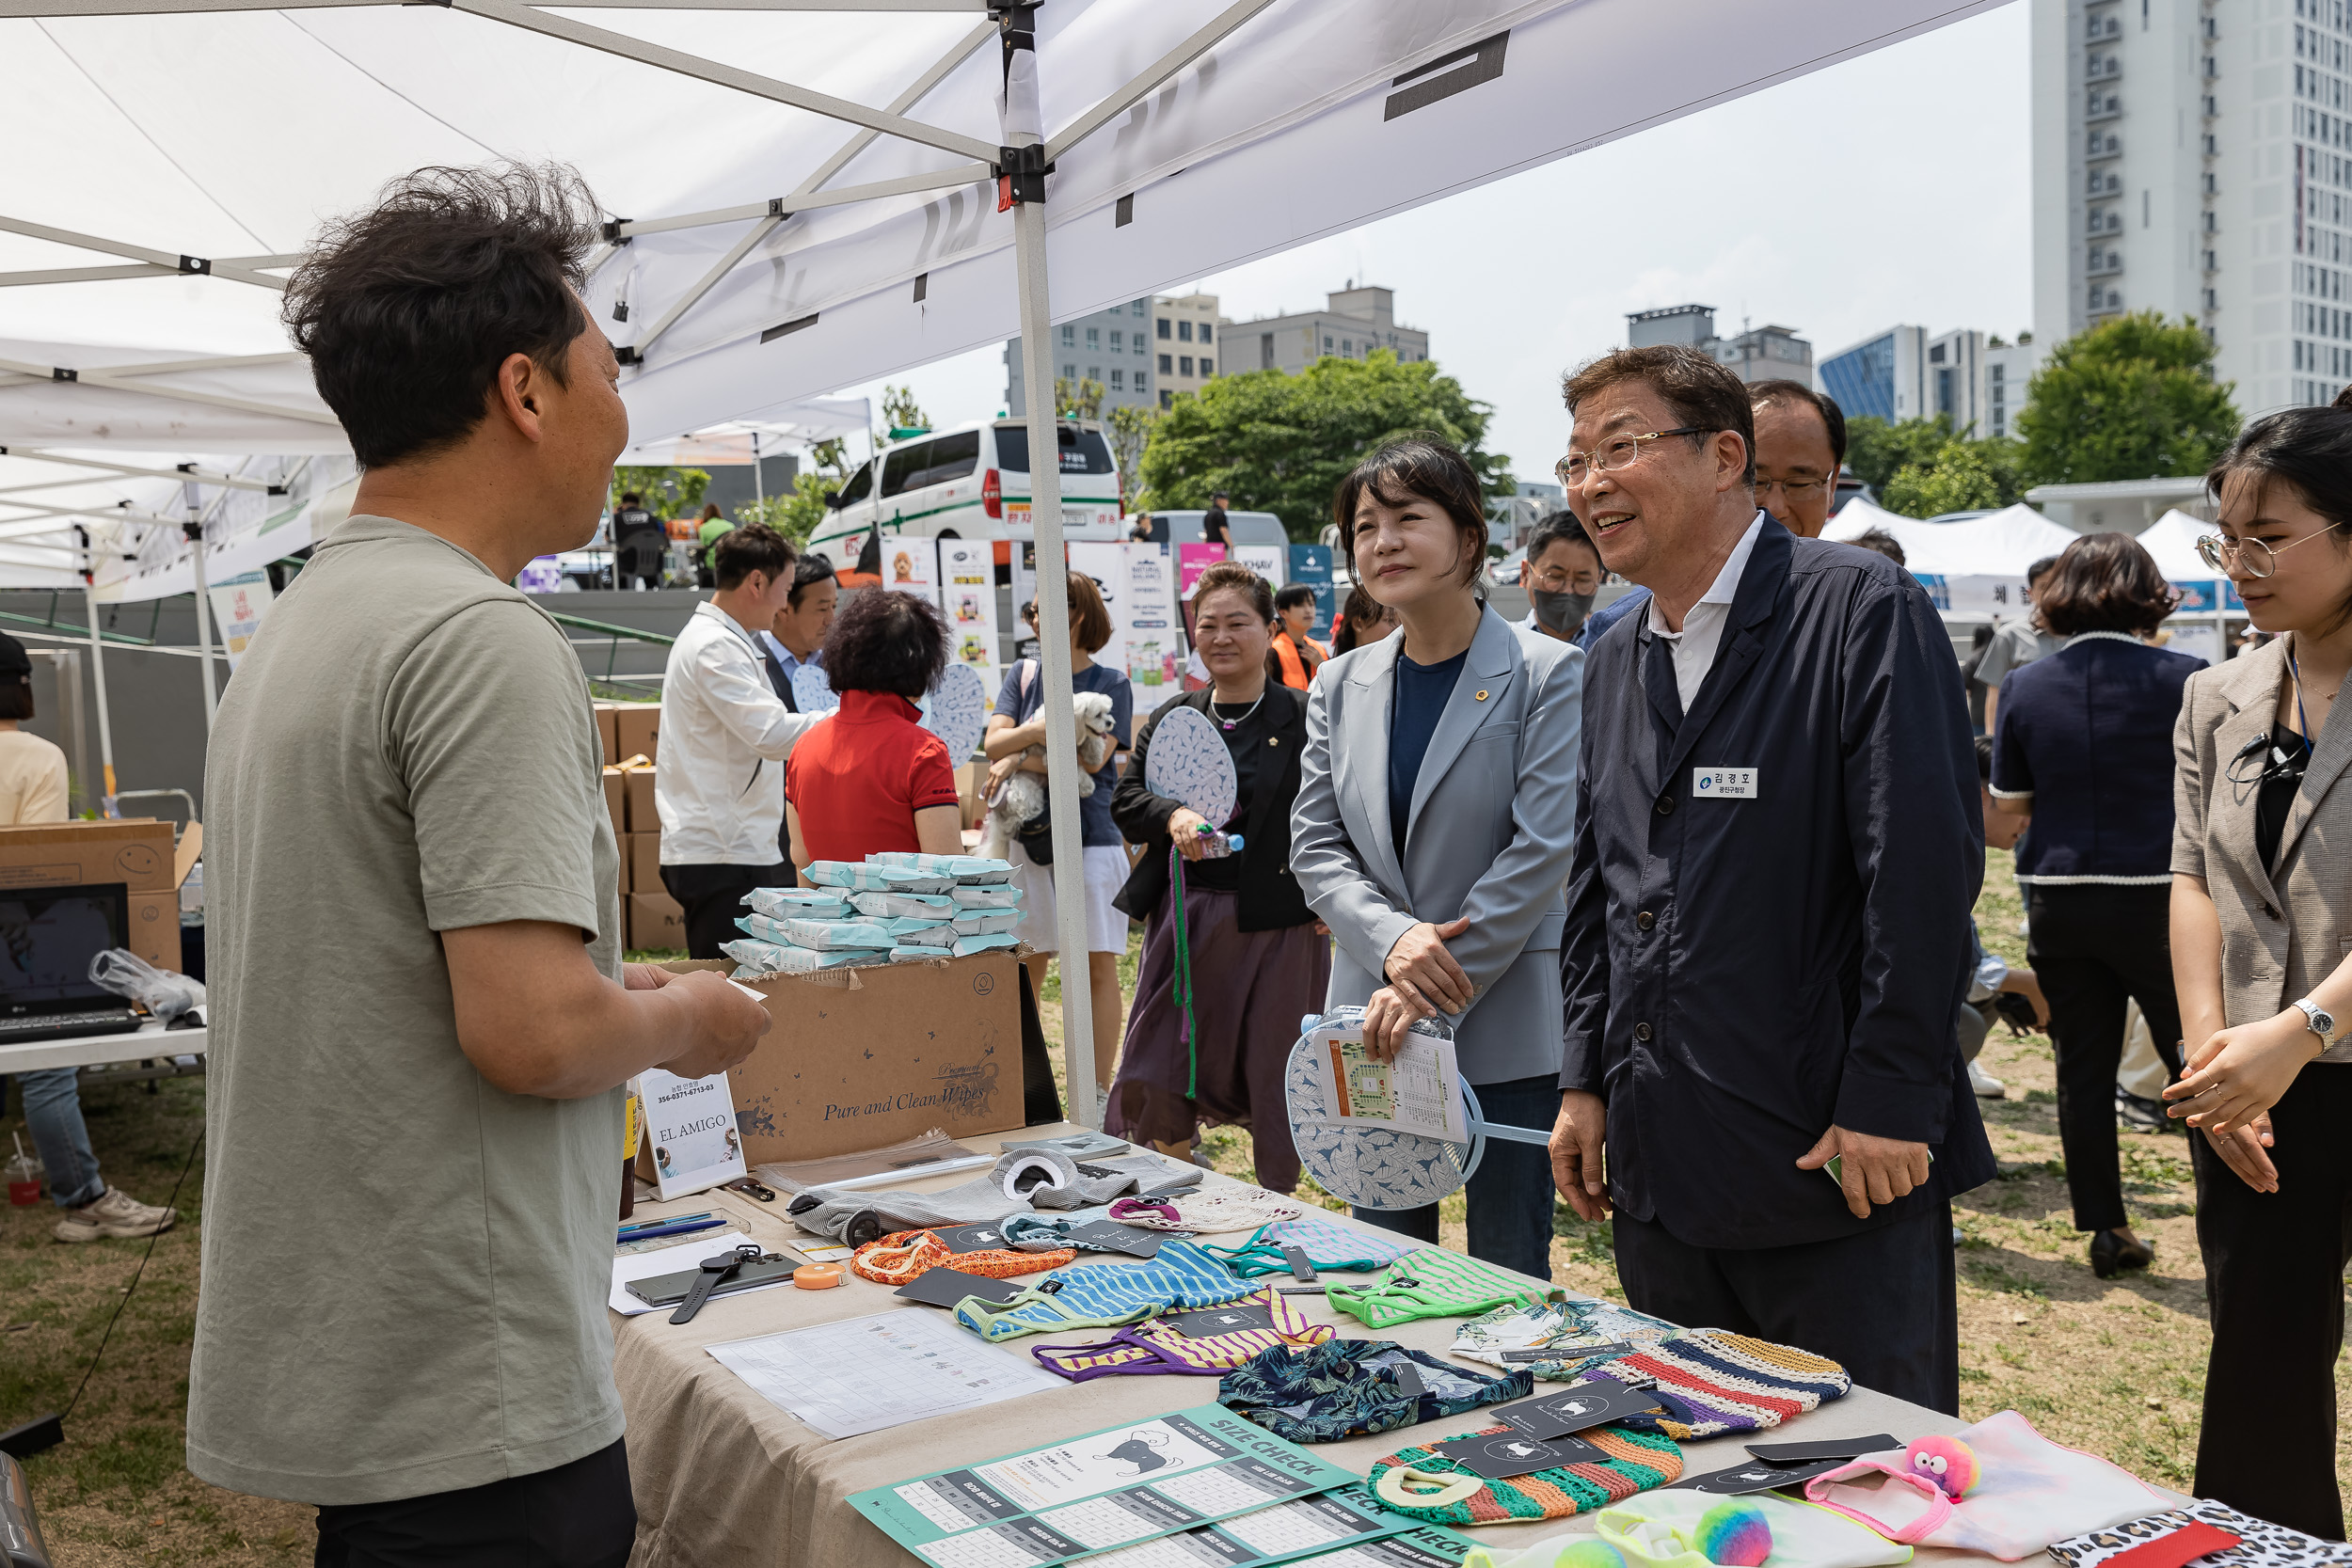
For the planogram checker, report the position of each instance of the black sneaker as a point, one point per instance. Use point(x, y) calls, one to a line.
point(2140, 1116)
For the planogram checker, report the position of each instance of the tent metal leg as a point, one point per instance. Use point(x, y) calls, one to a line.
point(203, 608)
point(98, 674)
point(1053, 638)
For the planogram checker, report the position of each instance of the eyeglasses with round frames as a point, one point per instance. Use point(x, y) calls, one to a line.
point(2225, 554)
point(1617, 453)
point(1557, 582)
point(1795, 489)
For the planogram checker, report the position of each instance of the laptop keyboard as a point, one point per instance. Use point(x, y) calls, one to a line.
point(57, 1026)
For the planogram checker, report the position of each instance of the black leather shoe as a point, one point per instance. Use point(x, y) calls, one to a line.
point(2111, 1254)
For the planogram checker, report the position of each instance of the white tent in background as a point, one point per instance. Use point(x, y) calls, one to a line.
point(1974, 567)
point(2172, 540)
point(838, 200)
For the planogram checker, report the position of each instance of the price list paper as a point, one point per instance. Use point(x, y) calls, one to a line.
point(864, 1374)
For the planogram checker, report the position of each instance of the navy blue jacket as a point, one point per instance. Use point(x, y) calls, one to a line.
point(1739, 975)
point(2087, 735)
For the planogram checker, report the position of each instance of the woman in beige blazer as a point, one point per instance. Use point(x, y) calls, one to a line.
point(2261, 925)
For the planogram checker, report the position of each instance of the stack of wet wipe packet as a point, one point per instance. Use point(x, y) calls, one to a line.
point(893, 908)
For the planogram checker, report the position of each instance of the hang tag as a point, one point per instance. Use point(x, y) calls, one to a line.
point(1110, 1235)
point(946, 1287)
point(1722, 784)
point(1213, 1321)
point(1613, 1349)
point(1301, 1269)
point(1501, 1456)
point(1409, 1380)
point(1740, 1480)
point(1827, 1447)
point(973, 1238)
point(1576, 1407)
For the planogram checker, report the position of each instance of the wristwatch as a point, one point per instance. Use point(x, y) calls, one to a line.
point(2322, 1023)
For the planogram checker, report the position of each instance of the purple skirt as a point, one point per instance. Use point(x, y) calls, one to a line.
point(1249, 990)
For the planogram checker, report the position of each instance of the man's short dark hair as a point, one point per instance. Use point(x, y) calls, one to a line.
point(1879, 540)
point(886, 641)
point(750, 547)
point(1293, 595)
point(630, 498)
point(1218, 496)
point(408, 309)
point(1790, 394)
point(812, 570)
point(1559, 527)
point(2039, 569)
point(1699, 392)
point(1984, 760)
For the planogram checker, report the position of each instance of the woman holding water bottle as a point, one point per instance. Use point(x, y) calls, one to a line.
point(1242, 921)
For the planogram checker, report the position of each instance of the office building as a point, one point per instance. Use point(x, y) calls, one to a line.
point(1186, 347)
point(1113, 347)
point(1757, 353)
point(2009, 371)
point(1903, 374)
point(1353, 322)
point(2195, 158)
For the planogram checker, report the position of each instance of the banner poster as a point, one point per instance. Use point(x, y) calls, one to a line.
point(690, 1124)
point(1193, 560)
point(1311, 565)
point(237, 607)
point(910, 564)
point(1107, 563)
point(967, 578)
point(1270, 562)
point(2197, 597)
point(1975, 595)
point(1147, 621)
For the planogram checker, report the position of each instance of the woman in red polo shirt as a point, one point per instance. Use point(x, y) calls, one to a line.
point(871, 777)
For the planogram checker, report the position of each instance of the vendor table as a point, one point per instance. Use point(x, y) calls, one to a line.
point(152, 1041)
point(724, 1477)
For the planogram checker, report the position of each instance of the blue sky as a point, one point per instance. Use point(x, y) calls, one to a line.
point(1895, 187)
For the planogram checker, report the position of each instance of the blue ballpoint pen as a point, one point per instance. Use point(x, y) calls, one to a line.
point(670, 1219)
point(686, 1229)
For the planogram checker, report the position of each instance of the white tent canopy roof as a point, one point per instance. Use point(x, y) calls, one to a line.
point(2002, 544)
point(2172, 540)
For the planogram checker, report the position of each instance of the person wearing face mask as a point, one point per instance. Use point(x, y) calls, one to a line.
point(1767, 943)
point(1433, 820)
point(1799, 449)
point(1259, 962)
point(2261, 927)
point(1561, 573)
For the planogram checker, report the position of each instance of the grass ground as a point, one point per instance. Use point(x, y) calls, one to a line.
point(2113, 1367)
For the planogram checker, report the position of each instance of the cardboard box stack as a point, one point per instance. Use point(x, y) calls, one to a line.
point(631, 733)
point(136, 852)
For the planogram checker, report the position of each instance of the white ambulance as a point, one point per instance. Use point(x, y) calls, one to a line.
point(971, 482)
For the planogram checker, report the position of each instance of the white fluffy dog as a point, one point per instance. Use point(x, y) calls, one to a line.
point(1021, 799)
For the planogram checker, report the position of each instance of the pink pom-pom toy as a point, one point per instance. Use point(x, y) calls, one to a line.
point(1948, 1462)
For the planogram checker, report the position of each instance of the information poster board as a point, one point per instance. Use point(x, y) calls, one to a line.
point(1193, 560)
point(690, 1123)
point(1146, 622)
point(237, 608)
point(910, 563)
point(967, 578)
point(1270, 562)
point(1311, 565)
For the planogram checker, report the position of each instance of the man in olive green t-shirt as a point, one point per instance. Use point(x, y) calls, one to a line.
point(421, 1020)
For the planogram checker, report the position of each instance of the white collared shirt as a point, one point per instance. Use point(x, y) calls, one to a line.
point(718, 776)
point(1693, 647)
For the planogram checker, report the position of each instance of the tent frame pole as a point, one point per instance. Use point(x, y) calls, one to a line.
point(195, 528)
point(98, 674)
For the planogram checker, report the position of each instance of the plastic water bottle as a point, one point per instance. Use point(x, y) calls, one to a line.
point(1217, 846)
point(24, 1177)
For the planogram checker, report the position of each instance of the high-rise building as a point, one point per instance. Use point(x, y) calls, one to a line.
point(1185, 349)
point(1755, 353)
point(1112, 347)
point(1353, 322)
point(1902, 373)
point(2194, 158)
point(2009, 371)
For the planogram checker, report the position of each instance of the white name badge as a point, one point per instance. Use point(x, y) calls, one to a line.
point(1722, 784)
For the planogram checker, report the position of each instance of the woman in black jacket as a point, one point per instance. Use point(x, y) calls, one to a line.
point(1257, 958)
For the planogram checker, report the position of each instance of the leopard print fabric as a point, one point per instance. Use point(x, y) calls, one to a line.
point(2264, 1545)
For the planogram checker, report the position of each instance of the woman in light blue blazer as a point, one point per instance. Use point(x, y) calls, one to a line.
point(1436, 812)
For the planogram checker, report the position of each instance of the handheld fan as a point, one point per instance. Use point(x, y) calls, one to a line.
point(1190, 762)
point(1380, 1167)
point(812, 690)
point(955, 710)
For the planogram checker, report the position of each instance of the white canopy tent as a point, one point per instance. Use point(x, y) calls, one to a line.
point(760, 253)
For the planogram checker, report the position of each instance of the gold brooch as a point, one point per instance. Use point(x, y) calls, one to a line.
point(1481, 696)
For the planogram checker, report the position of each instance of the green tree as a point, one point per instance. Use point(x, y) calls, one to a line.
point(1081, 399)
point(672, 492)
point(1130, 435)
point(2132, 398)
point(899, 411)
point(796, 512)
point(1281, 443)
point(1961, 476)
point(1877, 450)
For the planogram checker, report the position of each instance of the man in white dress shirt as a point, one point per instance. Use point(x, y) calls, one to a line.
point(724, 737)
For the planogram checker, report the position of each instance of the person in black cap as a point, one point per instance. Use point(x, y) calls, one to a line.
point(33, 789)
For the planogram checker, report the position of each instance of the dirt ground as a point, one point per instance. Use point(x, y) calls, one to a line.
point(2114, 1367)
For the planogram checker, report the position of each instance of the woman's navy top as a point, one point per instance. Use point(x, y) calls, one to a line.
point(2087, 735)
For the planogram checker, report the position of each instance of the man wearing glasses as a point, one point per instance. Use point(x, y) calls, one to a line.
point(1561, 573)
point(1777, 848)
point(1800, 449)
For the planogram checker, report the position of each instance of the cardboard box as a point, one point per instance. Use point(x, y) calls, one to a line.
point(645, 862)
point(656, 921)
point(155, 928)
point(608, 731)
point(637, 728)
point(615, 804)
point(644, 816)
point(137, 853)
point(863, 1057)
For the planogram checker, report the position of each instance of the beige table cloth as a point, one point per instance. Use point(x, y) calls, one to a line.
point(725, 1480)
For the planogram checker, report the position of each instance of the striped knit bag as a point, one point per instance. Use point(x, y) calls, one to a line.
point(1104, 1295)
point(1154, 1347)
point(1432, 1283)
point(897, 1257)
point(1712, 1380)
point(1636, 1461)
